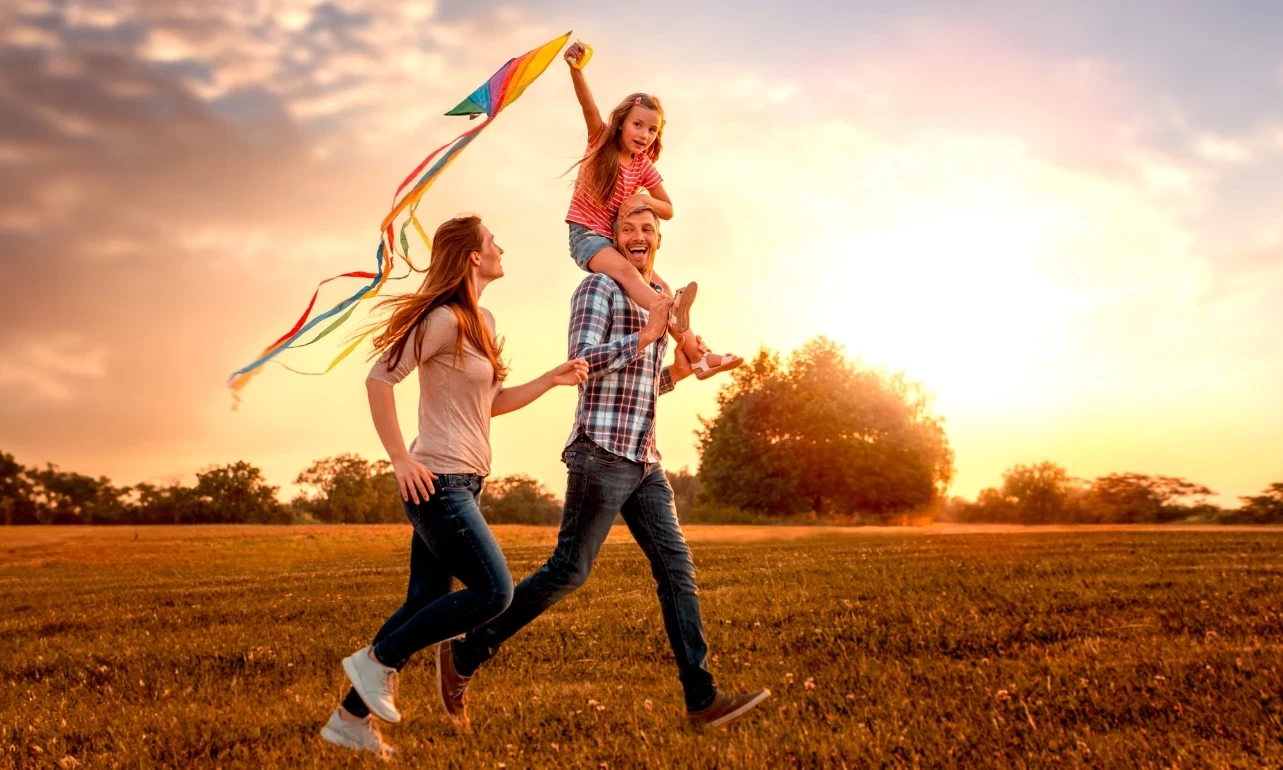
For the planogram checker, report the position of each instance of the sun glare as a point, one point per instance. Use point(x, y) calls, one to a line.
point(952, 295)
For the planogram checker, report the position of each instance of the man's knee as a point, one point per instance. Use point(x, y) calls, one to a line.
point(674, 572)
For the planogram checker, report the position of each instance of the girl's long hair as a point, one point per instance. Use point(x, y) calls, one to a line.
point(448, 283)
point(599, 168)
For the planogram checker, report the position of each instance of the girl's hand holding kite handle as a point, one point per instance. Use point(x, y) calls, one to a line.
point(577, 56)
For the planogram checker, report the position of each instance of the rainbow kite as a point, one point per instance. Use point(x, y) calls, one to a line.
point(502, 89)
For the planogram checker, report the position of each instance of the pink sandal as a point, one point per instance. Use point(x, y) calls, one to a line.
point(704, 368)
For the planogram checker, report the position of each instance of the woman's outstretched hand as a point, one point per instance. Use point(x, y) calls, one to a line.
point(572, 372)
point(414, 479)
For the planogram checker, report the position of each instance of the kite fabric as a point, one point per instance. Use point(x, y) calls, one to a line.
point(502, 89)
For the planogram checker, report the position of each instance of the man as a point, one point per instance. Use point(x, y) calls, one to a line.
point(613, 467)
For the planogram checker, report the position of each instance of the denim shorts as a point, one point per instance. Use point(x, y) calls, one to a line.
point(585, 243)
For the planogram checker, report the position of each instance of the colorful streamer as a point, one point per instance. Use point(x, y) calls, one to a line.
point(502, 89)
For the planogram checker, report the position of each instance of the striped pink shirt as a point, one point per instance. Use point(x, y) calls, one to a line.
point(586, 210)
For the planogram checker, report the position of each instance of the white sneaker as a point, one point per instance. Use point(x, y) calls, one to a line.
point(361, 736)
point(375, 683)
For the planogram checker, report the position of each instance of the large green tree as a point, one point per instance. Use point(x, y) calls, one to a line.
point(824, 434)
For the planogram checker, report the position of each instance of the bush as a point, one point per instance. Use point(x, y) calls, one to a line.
point(519, 499)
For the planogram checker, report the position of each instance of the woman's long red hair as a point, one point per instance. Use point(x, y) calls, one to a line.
point(449, 284)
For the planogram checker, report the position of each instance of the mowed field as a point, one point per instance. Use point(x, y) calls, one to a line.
point(932, 647)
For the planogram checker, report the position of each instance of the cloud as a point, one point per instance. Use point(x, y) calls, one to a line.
point(1222, 149)
point(28, 36)
point(35, 371)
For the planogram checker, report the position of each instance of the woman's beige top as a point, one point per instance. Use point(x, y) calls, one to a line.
point(455, 395)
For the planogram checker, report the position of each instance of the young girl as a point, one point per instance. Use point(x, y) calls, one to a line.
point(618, 163)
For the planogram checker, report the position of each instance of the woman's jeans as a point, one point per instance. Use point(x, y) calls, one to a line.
point(451, 540)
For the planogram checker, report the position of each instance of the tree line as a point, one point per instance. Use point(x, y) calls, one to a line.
point(813, 436)
point(1044, 493)
point(345, 489)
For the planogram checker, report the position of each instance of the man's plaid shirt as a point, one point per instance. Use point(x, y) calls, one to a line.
point(617, 404)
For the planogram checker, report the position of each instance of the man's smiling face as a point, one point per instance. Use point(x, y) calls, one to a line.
point(637, 238)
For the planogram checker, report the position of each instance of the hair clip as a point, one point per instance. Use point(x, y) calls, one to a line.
point(637, 101)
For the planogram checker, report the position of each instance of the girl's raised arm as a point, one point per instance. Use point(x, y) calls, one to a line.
point(592, 116)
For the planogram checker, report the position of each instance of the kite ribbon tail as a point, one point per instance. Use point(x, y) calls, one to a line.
point(241, 377)
point(430, 175)
point(336, 324)
point(333, 363)
point(308, 310)
point(347, 350)
point(405, 183)
point(427, 242)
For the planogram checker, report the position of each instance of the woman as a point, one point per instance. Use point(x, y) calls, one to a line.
point(444, 332)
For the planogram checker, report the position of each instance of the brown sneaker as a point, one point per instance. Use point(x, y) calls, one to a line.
point(451, 685)
point(726, 708)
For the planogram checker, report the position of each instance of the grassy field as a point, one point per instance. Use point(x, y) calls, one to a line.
point(932, 647)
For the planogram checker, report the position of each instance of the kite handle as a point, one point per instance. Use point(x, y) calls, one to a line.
point(582, 61)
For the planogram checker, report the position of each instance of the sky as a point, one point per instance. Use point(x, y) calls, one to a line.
point(1064, 222)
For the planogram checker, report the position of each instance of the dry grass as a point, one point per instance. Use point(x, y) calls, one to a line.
point(933, 647)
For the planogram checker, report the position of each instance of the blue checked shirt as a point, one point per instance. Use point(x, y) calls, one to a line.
point(616, 407)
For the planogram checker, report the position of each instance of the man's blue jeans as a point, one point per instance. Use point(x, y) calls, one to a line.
point(600, 485)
